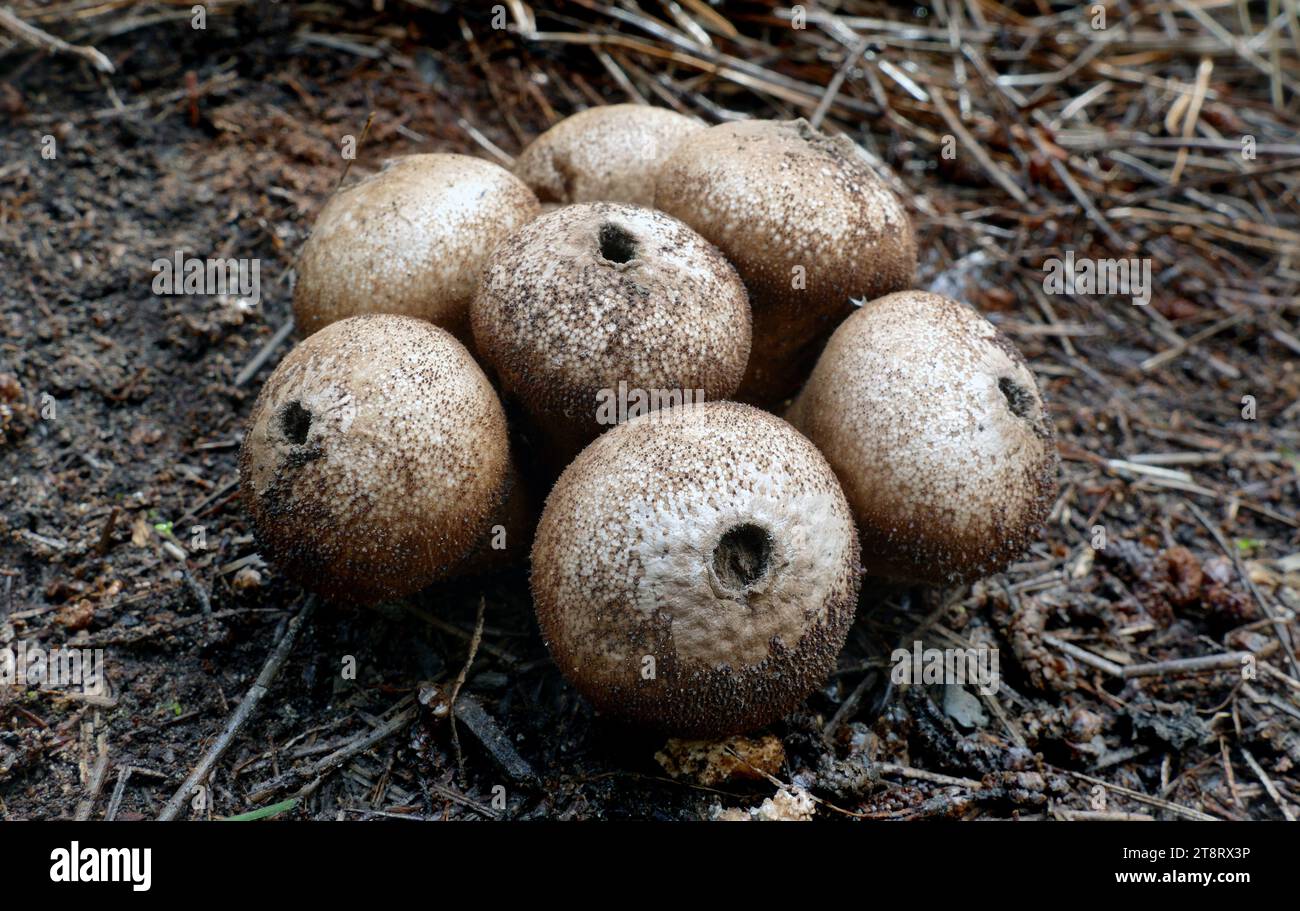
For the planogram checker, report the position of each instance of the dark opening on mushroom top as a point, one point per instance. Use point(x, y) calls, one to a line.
point(376, 457)
point(696, 570)
point(605, 299)
point(938, 432)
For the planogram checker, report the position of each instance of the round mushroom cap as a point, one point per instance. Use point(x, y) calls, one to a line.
point(695, 570)
point(936, 428)
point(410, 240)
point(375, 458)
point(607, 153)
point(601, 304)
point(806, 223)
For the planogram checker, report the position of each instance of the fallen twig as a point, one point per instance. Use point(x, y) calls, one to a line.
point(460, 680)
point(241, 715)
point(44, 40)
point(275, 341)
point(315, 772)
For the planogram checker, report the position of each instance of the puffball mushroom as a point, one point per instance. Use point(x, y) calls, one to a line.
point(408, 240)
point(607, 153)
point(696, 570)
point(805, 222)
point(375, 459)
point(937, 430)
point(509, 534)
point(599, 310)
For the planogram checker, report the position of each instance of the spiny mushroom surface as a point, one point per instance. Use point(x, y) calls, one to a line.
point(695, 570)
point(376, 457)
point(599, 302)
point(936, 428)
point(509, 533)
point(408, 240)
point(805, 222)
point(607, 153)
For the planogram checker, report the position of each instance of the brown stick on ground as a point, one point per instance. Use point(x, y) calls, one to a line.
point(314, 774)
point(96, 783)
point(1279, 624)
point(245, 710)
point(460, 679)
point(37, 38)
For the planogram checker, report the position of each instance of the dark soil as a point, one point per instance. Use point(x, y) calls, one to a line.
point(226, 142)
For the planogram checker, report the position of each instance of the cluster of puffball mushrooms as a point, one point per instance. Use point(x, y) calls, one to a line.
point(696, 567)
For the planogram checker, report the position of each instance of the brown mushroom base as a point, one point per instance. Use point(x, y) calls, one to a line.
point(354, 561)
point(339, 567)
point(691, 699)
point(509, 533)
point(788, 338)
point(793, 325)
point(923, 548)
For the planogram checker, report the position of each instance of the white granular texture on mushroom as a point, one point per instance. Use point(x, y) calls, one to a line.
point(938, 433)
point(560, 321)
point(807, 225)
point(375, 457)
point(603, 154)
point(674, 553)
point(636, 557)
point(410, 240)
